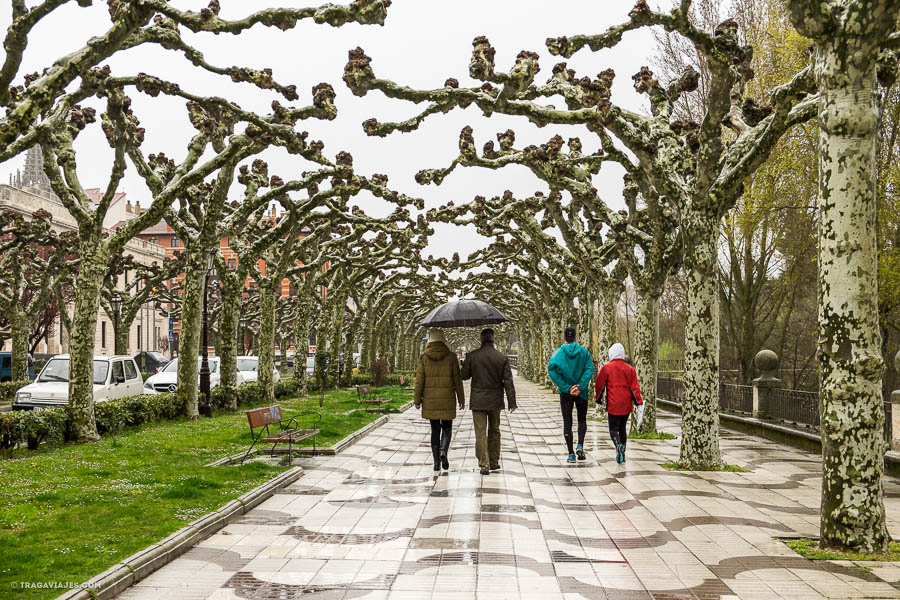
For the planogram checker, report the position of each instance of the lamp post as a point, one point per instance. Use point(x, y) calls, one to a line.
point(116, 303)
point(206, 407)
point(242, 324)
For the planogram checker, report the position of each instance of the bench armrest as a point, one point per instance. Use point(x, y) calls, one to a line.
point(285, 425)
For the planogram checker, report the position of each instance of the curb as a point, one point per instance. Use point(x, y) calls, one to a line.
point(139, 565)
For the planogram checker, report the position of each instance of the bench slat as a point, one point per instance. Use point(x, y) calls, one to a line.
point(294, 435)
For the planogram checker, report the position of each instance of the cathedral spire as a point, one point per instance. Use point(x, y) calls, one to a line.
point(34, 168)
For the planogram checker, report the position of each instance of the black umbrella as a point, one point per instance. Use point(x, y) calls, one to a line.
point(464, 313)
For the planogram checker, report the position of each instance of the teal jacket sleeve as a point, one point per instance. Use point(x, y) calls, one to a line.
point(587, 371)
point(556, 373)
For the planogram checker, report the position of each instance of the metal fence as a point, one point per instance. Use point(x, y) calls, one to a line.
point(738, 398)
point(794, 407)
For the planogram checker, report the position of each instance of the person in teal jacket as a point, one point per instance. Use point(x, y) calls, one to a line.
point(571, 368)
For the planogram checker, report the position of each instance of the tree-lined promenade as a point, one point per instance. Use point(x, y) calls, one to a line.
point(720, 127)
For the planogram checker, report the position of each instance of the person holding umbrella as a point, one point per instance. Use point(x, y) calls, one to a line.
point(622, 389)
point(571, 368)
point(438, 384)
point(489, 370)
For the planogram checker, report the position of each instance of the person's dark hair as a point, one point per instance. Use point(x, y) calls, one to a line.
point(487, 336)
point(569, 334)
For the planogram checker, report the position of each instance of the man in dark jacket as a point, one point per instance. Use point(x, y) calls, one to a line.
point(490, 373)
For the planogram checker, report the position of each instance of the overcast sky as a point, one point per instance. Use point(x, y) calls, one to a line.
point(422, 44)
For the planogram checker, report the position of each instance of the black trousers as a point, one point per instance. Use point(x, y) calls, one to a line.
point(566, 402)
point(618, 432)
point(441, 432)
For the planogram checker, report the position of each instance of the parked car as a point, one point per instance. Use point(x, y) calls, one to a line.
point(114, 377)
point(6, 366)
point(150, 362)
point(310, 366)
point(167, 379)
point(248, 368)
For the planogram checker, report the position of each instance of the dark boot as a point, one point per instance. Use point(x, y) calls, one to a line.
point(436, 454)
point(445, 446)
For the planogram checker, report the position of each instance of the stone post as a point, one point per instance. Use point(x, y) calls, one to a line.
point(895, 410)
point(767, 362)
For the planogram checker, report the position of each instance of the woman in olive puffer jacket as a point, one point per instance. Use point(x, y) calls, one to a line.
point(438, 389)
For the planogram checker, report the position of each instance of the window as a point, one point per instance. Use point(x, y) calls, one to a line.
point(232, 264)
point(126, 278)
point(139, 338)
point(103, 334)
point(156, 340)
point(130, 371)
point(118, 372)
point(174, 242)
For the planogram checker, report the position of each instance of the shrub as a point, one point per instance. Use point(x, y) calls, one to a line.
point(8, 389)
point(146, 374)
point(285, 387)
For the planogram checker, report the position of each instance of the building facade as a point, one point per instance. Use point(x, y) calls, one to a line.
point(29, 191)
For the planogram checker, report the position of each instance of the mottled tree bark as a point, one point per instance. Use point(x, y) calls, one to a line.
point(189, 344)
point(19, 328)
point(337, 328)
point(228, 330)
point(266, 338)
point(646, 355)
point(301, 341)
point(700, 416)
point(851, 365)
point(92, 265)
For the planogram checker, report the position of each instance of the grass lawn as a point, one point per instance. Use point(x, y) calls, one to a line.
point(68, 513)
point(651, 435)
point(674, 466)
point(809, 548)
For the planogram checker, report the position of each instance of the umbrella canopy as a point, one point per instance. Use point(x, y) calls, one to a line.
point(464, 313)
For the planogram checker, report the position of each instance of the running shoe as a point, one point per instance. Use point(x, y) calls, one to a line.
point(579, 451)
point(620, 453)
point(571, 458)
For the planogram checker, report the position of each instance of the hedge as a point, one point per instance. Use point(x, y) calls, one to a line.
point(50, 425)
point(8, 389)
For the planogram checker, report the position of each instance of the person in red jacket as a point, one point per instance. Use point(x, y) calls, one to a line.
point(622, 389)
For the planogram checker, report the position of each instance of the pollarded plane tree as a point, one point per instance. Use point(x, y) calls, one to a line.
point(650, 231)
point(380, 256)
point(343, 253)
point(689, 163)
point(543, 259)
point(562, 171)
point(566, 271)
point(45, 110)
point(135, 285)
point(854, 59)
point(35, 262)
point(650, 249)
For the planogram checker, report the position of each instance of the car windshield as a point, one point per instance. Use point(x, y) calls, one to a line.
point(248, 364)
point(172, 367)
point(58, 370)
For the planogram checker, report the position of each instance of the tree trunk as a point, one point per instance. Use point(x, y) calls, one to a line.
point(120, 334)
point(851, 410)
point(20, 326)
point(321, 347)
point(700, 416)
point(266, 338)
point(337, 324)
point(606, 320)
point(646, 355)
point(189, 344)
point(92, 265)
point(301, 342)
point(228, 331)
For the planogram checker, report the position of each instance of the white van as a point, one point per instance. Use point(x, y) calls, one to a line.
point(114, 377)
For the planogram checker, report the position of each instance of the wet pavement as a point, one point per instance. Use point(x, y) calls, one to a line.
point(374, 522)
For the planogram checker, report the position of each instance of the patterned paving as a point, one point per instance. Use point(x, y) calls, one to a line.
point(374, 523)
